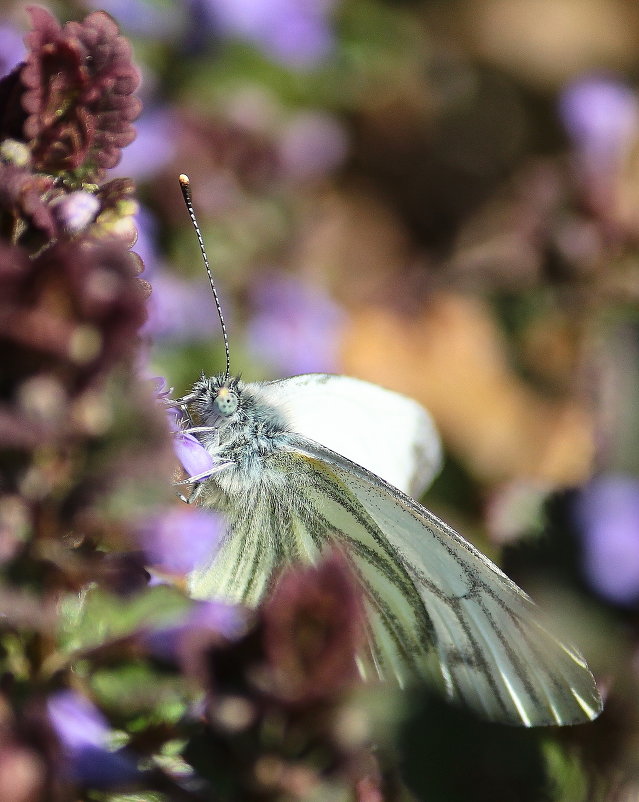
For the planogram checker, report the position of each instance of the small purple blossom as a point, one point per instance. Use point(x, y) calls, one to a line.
point(204, 620)
point(152, 149)
point(74, 212)
point(312, 144)
point(607, 511)
point(84, 733)
point(181, 310)
point(160, 388)
point(601, 115)
point(12, 49)
point(141, 17)
point(145, 246)
point(180, 539)
point(296, 33)
point(296, 327)
point(193, 457)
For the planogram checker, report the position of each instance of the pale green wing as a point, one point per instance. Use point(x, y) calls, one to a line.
point(436, 606)
point(493, 652)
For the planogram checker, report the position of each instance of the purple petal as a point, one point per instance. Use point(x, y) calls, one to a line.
point(83, 732)
point(296, 327)
point(181, 310)
point(294, 32)
point(76, 720)
point(146, 243)
point(607, 511)
point(227, 619)
point(160, 387)
point(601, 115)
point(195, 459)
point(153, 147)
point(180, 540)
point(141, 17)
point(215, 618)
point(12, 49)
point(75, 211)
point(312, 144)
point(99, 768)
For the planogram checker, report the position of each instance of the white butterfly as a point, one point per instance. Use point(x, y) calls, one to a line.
point(316, 460)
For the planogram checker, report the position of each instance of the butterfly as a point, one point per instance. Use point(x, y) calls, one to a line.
point(307, 463)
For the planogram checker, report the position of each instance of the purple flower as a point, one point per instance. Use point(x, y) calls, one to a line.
point(145, 246)
point(194, 458)
point(181, 310)
point(12, 49)
point(141, 17)
point(601, 115)
point(312, 144)
point(152, 149)
point(296, 327)
point(205, 621)
point(295, 32)
point(84, 733)
point(607, 511)
point(74, 212)
point(180, 539)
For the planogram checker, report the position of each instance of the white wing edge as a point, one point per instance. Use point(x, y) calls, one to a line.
point(390, 434)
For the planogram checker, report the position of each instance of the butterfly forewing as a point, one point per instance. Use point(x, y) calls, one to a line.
point(494, 653)
point(272, 528)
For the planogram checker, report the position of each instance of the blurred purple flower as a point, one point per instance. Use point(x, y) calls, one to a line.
point(160, 387)
point(84, 732)
point(205, 620)
point(181, 310)
point(607, 511)
point(140, 17)
point(296, 327)
point(312, 144)
point(601, 115)
point(296, 33)
point(74, 212)
point(195, 459)
point(227, 619)
point(152, 149)
point(146, 243)
point(180, 539)
point(12, 49)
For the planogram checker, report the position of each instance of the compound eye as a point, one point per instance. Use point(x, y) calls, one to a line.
point(226, 402)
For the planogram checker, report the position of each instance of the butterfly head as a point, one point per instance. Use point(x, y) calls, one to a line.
point(226, 401)
point(216, 399)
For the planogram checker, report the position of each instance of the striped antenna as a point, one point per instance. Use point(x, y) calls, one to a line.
point(185, 186)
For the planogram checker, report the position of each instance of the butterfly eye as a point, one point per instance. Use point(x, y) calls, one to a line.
point(226, 401)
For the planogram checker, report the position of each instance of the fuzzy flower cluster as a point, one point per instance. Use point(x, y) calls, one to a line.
point(114, 681)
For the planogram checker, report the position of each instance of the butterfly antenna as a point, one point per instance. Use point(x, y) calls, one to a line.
point(185, 186)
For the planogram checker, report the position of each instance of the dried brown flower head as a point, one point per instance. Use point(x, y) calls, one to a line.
point(78, 81)
point(72, 312)
point(313, 625)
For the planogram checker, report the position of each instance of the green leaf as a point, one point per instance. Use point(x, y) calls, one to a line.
point(101, 616)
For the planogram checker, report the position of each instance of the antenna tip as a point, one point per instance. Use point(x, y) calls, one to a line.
point(184, 180)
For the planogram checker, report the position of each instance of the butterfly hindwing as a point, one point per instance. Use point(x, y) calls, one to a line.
point(389, 434)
